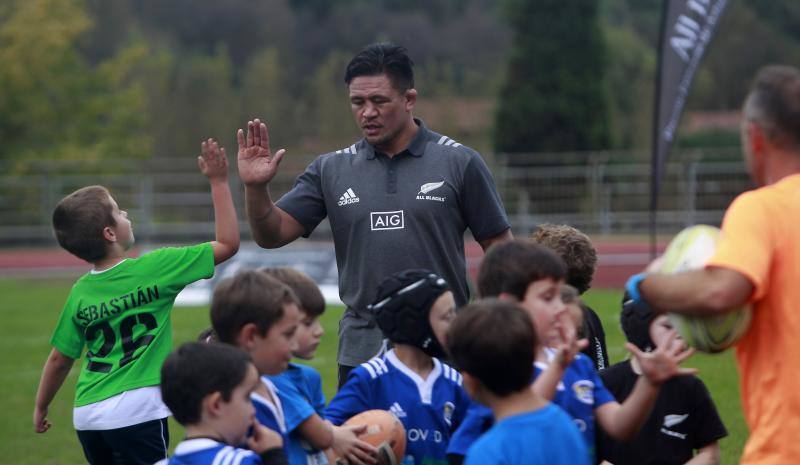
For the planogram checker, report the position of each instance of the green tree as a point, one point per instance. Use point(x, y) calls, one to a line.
point(330, 106)
point(554, 96)
point(53, 104)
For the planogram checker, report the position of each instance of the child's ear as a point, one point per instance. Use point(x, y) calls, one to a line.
point(506, 297)
point(212, 403)
point(247, 336)
point(471, 385)
point(109, 234)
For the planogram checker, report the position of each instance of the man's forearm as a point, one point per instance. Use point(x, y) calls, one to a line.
point(706, 291)
point(264, 220)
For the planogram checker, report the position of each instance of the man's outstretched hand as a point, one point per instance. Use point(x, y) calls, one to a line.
point(257, 165)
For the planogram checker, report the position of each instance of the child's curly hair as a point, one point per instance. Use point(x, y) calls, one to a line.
point(574, 247)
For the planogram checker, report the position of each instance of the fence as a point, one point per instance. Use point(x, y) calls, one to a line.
point(605, 193)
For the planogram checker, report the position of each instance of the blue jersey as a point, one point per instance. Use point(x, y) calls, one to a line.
point(207, 452)
point(579, 393)
point(586, 392)
point(429, 409)
point(542, 437)
point(270, 414)
point(300, 392)
point(478, 420)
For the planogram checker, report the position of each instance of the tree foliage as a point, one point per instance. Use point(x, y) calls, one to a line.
point(53, 104)
point(107, 80)
point(554, 96)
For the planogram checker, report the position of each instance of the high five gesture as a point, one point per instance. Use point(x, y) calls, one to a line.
point(257, 164)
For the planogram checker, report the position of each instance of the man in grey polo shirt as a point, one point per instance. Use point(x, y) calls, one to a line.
point(401, 197)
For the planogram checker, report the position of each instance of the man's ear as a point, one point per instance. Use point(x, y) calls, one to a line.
point(756, 138)
point(411, 99)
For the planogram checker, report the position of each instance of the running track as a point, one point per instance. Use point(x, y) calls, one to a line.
point(617, 260)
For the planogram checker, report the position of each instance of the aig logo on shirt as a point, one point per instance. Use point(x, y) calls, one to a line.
point(380, 221)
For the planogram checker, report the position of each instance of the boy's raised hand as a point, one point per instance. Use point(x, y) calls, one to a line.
point(662, 364)
point(348, 446)
point(212, 161)
point(570, 344)
point(257, 164)
point(263, 438)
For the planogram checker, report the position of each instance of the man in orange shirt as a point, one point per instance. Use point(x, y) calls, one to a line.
point(757, 261)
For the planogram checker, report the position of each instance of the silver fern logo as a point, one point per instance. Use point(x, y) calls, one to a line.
point(431, 186)
point(672, 420)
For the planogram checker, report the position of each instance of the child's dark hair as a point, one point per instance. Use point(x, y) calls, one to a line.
point(312, 303)
point(511, 266)
point(195, 370)
point(575, 248)
point(248, 297)
point(383, 58)
point(494, 341)
point(79, 220)
point(208, 336)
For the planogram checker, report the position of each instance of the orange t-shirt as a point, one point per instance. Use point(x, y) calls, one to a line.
point(761, 240)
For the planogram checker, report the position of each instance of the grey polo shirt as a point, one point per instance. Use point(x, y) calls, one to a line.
point(392, 214)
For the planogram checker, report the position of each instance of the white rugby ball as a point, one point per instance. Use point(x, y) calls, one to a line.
point(690, 250)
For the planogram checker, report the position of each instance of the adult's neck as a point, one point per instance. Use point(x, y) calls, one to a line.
point(415, 359)
point(523, 401)
point(782, 164)
point(401, 141)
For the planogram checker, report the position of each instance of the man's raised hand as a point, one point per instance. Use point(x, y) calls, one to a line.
point(257, 165)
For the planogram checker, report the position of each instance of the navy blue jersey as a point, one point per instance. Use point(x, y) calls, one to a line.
point(300, 392)
point(207, 452)
point(579, 393)
point(542, 437)
point(429, 409)
point(270, 414)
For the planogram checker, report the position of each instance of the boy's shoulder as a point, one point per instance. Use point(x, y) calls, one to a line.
point(548, 425)
point(389, 366)
point(204, 451)
point(172, 253)
point(297, 374)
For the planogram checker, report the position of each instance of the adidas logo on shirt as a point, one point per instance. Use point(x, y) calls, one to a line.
point(348, 197)
point(397, 410)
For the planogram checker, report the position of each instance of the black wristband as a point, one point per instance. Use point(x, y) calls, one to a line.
point(274, 456)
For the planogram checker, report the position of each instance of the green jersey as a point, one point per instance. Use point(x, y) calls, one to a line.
point(122, 316)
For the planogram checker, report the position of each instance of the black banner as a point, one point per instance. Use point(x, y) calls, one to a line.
point(686, 29)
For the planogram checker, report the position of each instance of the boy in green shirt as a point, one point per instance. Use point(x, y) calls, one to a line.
point(120, 311)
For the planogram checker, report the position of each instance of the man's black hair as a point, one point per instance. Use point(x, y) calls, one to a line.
point(383, 58)
point(494, 341)
point(195, 370)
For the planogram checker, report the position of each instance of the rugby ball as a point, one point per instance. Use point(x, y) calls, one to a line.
point(384, 431)
point(690, 250)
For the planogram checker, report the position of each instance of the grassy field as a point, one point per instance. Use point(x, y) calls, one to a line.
point(29, 309)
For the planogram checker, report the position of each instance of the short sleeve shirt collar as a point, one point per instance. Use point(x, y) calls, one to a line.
point(417, 146)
